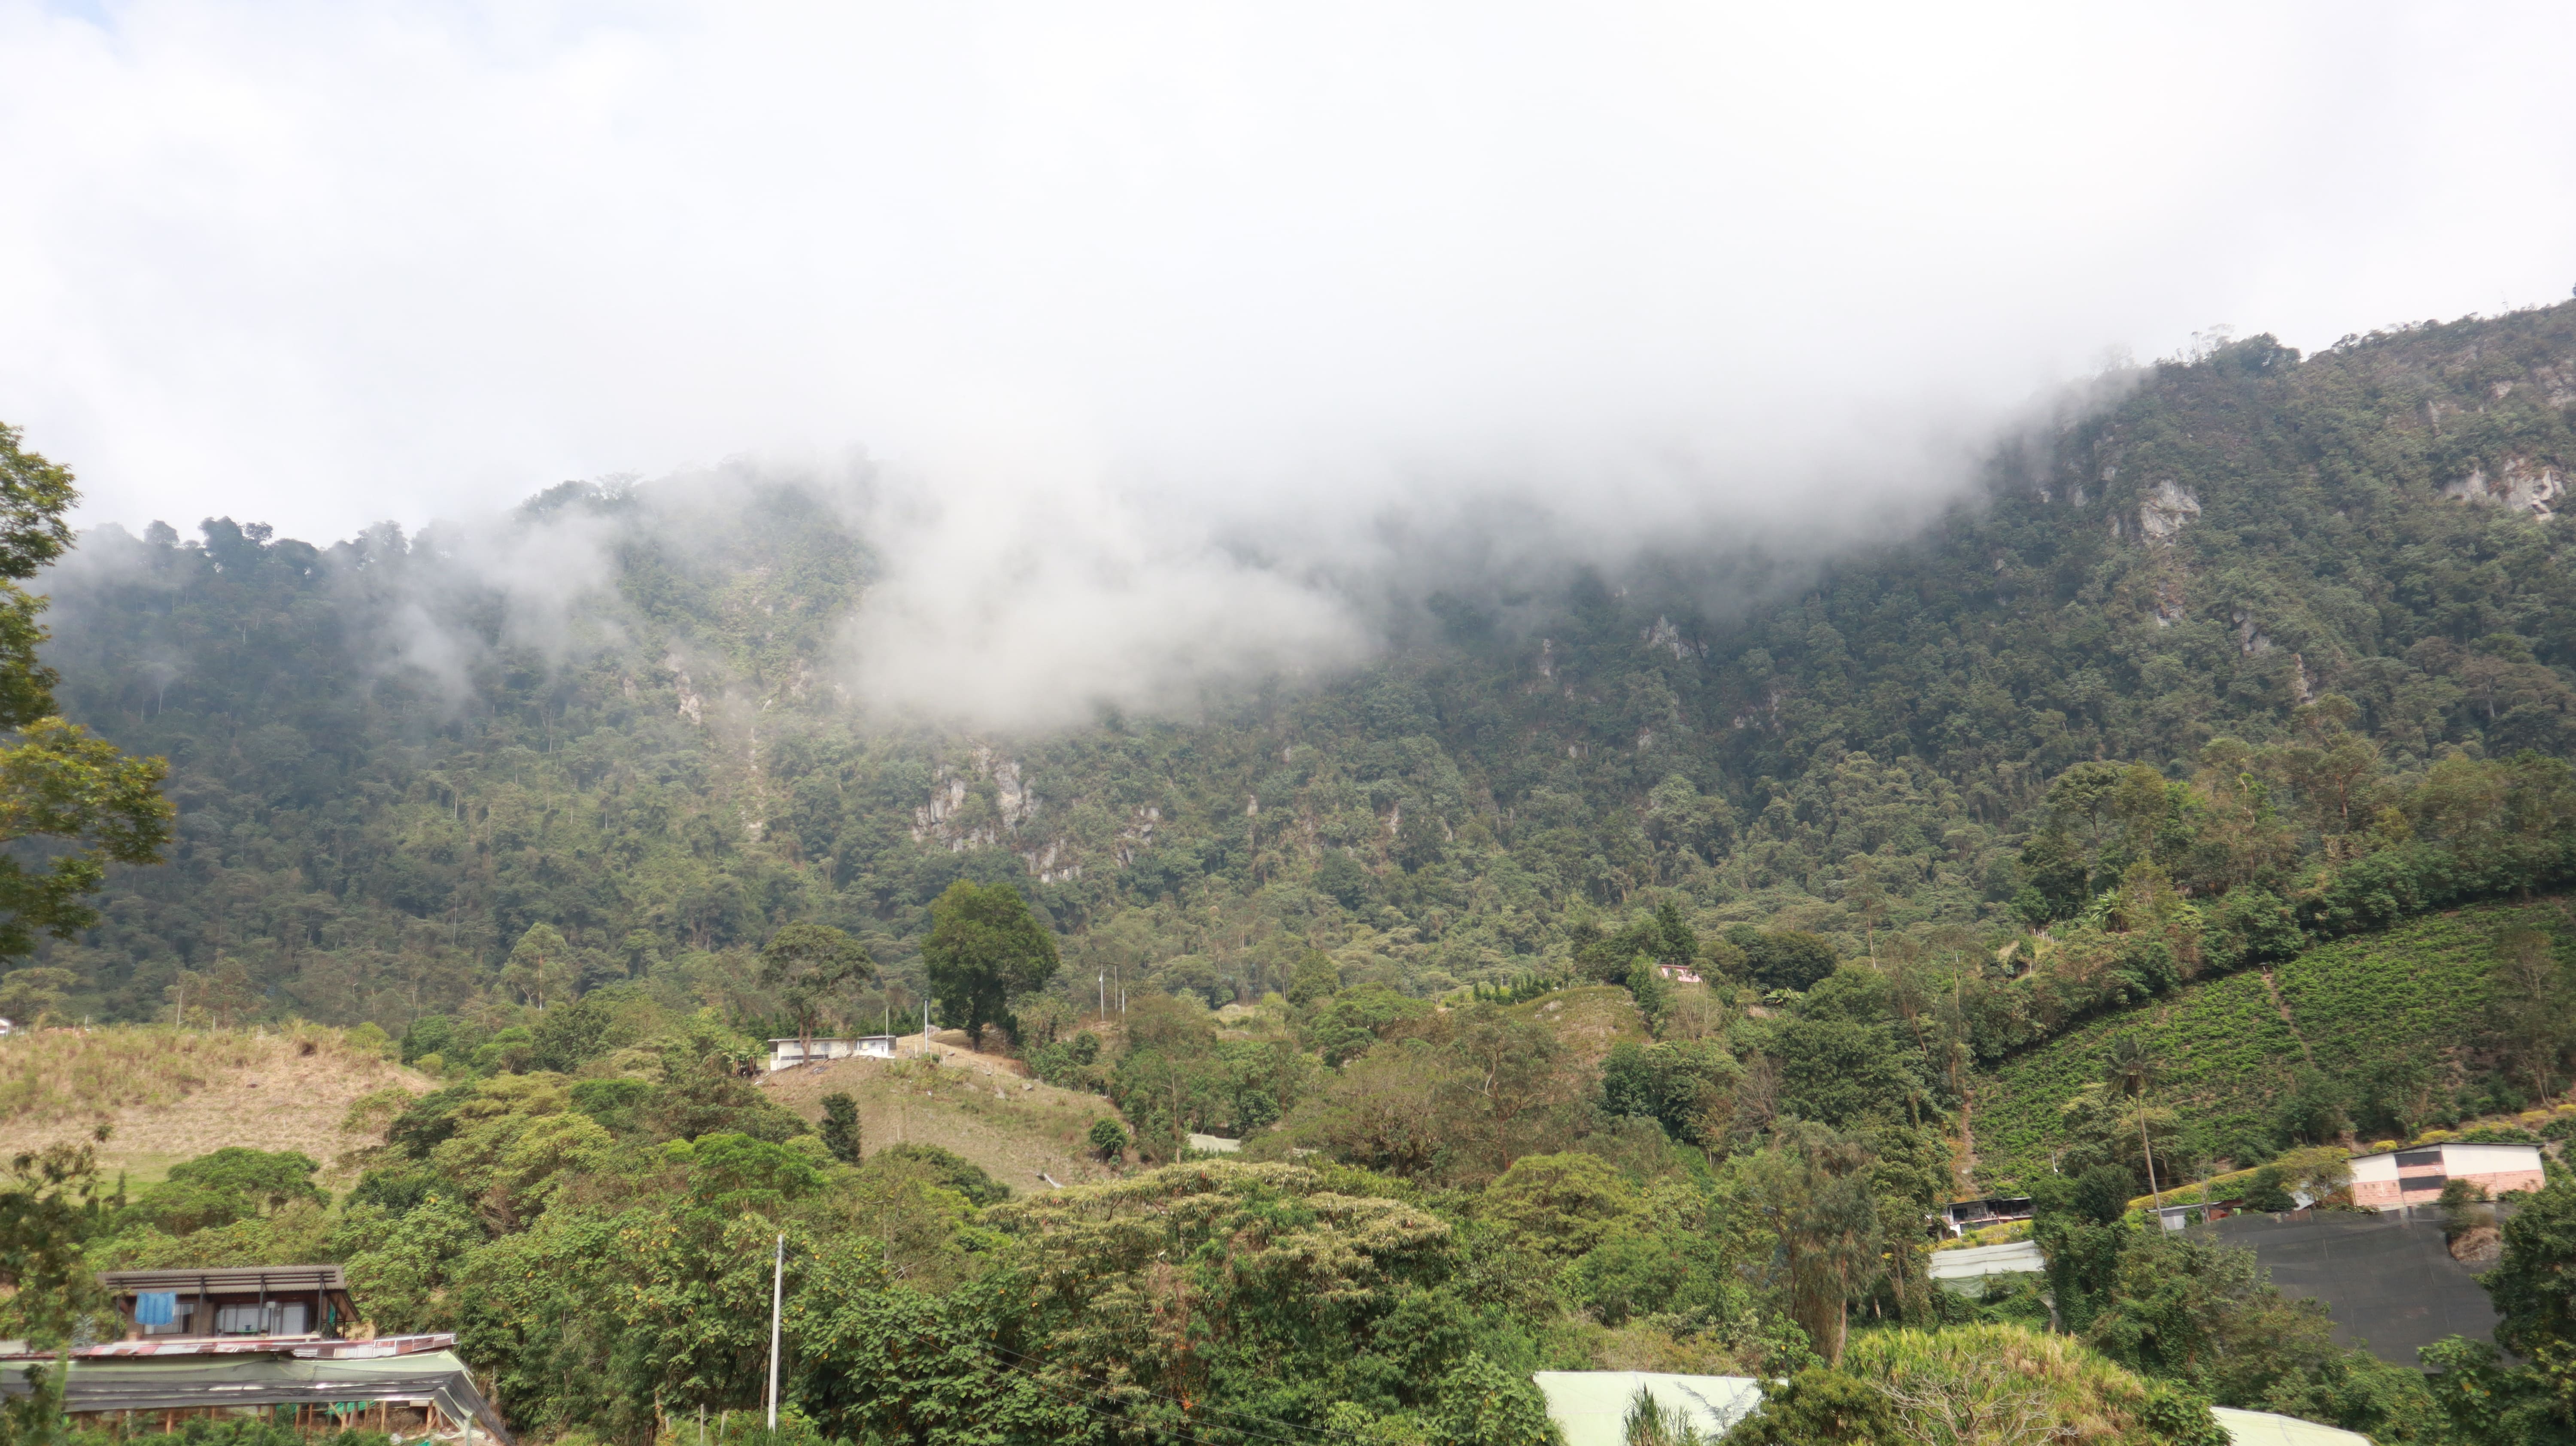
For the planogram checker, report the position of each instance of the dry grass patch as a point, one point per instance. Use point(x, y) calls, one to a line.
point(1588, 1020)
point(982, 1107)
point(170, 1096)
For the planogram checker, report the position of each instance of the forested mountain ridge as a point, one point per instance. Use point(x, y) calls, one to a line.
point(394, 756)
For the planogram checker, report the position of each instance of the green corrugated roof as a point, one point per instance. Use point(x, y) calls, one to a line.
point(157, 1382)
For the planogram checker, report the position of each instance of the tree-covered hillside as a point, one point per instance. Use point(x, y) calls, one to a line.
point(2291, 588)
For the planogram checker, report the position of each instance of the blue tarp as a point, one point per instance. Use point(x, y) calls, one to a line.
point(156, 1307)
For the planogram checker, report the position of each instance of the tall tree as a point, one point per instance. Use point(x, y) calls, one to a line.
point(1815, 1190)
point(2535, 1011)
point(842, 1133)
point(540, 966)
point(984, 950)
point(93, 804)
point(51, 1202)
point(2131, 1069)
point(807, 965)
point(2489, 1401)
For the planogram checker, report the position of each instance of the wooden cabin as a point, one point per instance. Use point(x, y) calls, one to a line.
point(268, 1302)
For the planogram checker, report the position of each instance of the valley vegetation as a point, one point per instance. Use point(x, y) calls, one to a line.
point(2201, 696)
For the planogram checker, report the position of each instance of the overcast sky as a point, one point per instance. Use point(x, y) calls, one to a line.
point(329, 263)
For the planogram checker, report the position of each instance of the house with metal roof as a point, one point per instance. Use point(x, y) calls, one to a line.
point(412, 1387)
point(266, 1343)
point(1966, 1270)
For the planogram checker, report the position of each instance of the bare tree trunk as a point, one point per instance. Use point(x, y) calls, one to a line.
point(2146, 1150)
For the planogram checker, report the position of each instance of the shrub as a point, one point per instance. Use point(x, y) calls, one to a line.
point(2464, 1208)
point(2264, 1192)
point(945, 1169)
point(2000, 1382)
point(1108, 1139)
point(841, 1128)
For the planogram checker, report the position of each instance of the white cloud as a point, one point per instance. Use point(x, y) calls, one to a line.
point(1121, 283)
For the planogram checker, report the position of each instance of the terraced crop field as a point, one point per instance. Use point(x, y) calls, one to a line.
point(2229, 1052)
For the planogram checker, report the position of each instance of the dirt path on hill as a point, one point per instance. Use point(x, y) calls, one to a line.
point(2282, 1007)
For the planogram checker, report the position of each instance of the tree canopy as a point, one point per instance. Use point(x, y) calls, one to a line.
point(84, 803)
point(984, 950)
point(810, 967)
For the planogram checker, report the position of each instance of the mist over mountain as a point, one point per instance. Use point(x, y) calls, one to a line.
point(667, 717)
point(1481, 701)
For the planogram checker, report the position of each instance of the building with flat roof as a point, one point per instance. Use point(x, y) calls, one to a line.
point(268, 1301)
point(789, 1053)
point(1961, 1216)
point(2395, 1179)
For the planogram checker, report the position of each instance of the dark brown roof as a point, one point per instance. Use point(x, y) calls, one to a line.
point(229, 1279)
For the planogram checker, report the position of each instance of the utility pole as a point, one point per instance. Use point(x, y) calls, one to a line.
point(777, 1297)
point(1104, 994)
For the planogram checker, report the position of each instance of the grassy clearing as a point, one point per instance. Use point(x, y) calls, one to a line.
point(169, 1096)
point(1588, 1019)
point(2003, 1373)
point(982, 1107)
point(2419, 990)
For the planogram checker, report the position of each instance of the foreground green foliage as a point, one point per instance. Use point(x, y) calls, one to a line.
point(2151, 742)
point(394, 765)
point(1976, 1384)
point(70, 804)
point(2490, 1402)
point(600, 1238)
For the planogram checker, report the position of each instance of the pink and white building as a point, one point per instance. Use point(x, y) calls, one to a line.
point(2416, 1176)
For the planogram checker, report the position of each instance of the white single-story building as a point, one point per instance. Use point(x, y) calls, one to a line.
point(2395, 1179)
point(788, 1053)
point(1591, 1409)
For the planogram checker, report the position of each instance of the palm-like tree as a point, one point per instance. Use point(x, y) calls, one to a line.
point(2131, 1069)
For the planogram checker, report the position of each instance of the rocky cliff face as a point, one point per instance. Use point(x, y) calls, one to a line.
point(2519, 484)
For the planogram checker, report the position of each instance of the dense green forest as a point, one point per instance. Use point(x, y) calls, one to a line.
point(2294, 587)
point(2242, 698)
